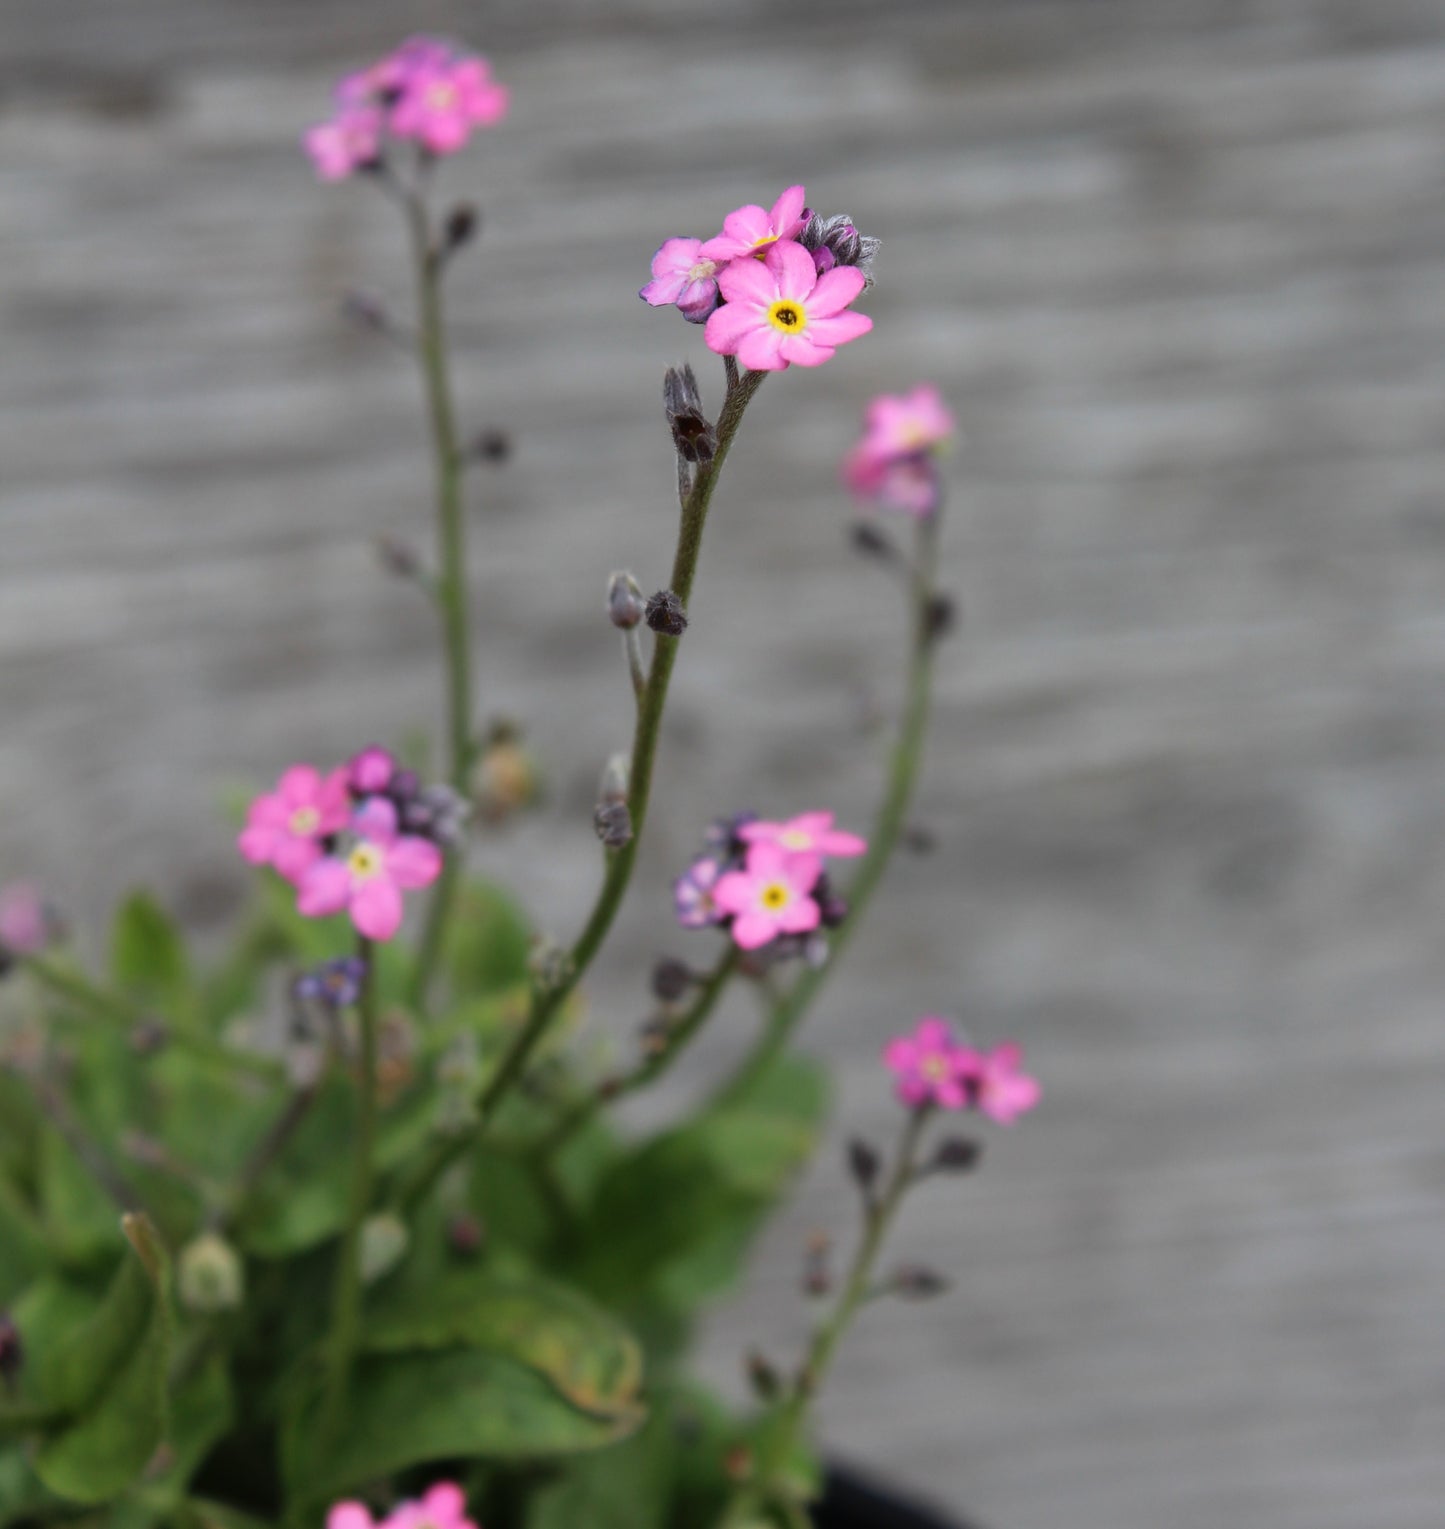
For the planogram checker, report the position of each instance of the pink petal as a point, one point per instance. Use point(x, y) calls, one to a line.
point(803, 350)
point(413, 862)
point(675, 257)
point(840, 843)
point(324, 888)
point(733, 892)
point(838, 331)
point(294, 857)
point(268, 812)
point(258, 845)
point(375, 819)
point(729, 326)
point(349, 1515)
point(750, 930)
point(793, 268)
point(299, 785)
point(333, 802)
point(912, 1090)
point(662, 290)
point(761, 350)
point(766, 860)
point(748, 281)
point(376, 908)
point(933, 1034)
point(799, 917)
point(901, 1053)
point(951, 1094)
point(835, 290)
point(445, 1500)
point(787, 214)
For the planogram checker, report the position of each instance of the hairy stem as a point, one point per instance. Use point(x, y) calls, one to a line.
point(346, 1300)
point(450, 586)
point(903, 770)
point(782, 1434)
point(546, 1001)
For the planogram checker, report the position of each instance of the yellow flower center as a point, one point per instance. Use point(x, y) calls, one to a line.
point(364, 861)
point(305, 821)
point(788, 316)
point(702, 270)
point(935, 1069)
point(774, 896)
point(795, 839)
point(441, 97)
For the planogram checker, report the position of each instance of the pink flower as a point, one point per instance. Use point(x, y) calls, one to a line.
point(752, 231)
point(897, 425)
point(931, 1066)
point(779, 310)
point(369, 880)
point(350, 140)
point(371, 770)
point(443, 1507)
point(284, 827)
point(26, 923)
point(809, 832)
point(350, 1515)
point(895, 462)
point(770, 896)
point(441, 103)
point(385, 79)
point(999, 1088)
point(681, 275)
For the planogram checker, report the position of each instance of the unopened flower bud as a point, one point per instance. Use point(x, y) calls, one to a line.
point(940, 617)
point(613, 785)
point(665, 614)
point(210, 1276)
point(671, 979)
point(763, 1378)
point(817, 1274)
point(492, 446)
point(863, 1163)
point(625, 605)
point(548, 962)
point(871, 542)
point(460, 227)
point(692, 434)
point(437, 813)
point(835, 241)
point(832, 908)
point(465, 1234)
point(956, 1154)
point(12, 1351)
point(613, 824)
point(384, 1241)
point(915, 1283)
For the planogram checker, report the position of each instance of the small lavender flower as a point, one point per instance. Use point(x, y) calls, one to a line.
point(692, 895)
point(334, 984)
point(437, 813)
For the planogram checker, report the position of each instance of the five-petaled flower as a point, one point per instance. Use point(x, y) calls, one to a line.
point(780, 311)
point(896, 461)
point(770, 895)
point(367, 875)
point(1000, 1088)
point(681, 274)
point(285, 827)
point(440, 104)
point(753, 230)
point(808, 833)
point(931, 1066)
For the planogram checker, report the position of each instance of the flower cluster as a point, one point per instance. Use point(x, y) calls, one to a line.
point(934, 1068)
point(764, 881)
point(426, 92)
point(773, 287)
point(444, 1506)
point(354, 839)
point(895, 464)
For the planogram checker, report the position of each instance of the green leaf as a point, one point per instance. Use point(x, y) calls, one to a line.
point(670, 1224)
point(148, 957)
point(110, 1376)
point(80, 1219)
point(22, 1243)
point(489, 941)
point(587, 1355)
point(408, 1408)
point(626, 1487)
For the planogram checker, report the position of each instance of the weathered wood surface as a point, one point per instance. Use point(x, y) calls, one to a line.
point(1181, 268)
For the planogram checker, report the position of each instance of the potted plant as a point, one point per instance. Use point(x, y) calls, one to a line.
point(338, 1228)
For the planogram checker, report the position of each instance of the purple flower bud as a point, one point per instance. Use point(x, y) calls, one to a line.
point(692, 434)
point(624, 601)
point(665, 614)
point(671, 979)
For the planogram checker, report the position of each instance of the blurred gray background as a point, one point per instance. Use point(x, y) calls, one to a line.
point(1180, 268)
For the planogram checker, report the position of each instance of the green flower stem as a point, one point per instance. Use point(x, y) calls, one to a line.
point(547, 1001)
point(346, 1301)
point(679, 1036)
point(449, 589)
point(781, 1436)
point(902, 775)
point(84, 994)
